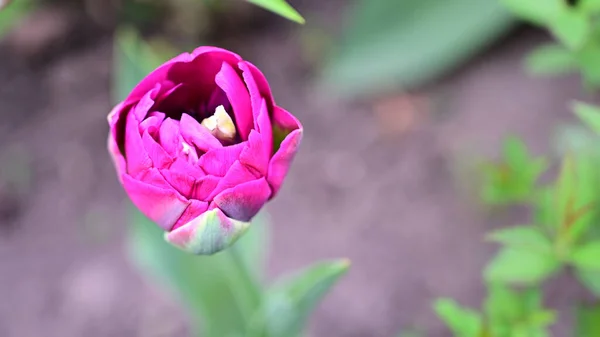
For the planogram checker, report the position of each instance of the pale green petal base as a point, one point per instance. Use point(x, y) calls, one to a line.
point(209, 233)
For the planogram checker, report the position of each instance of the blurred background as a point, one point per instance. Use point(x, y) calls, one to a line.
point(401, 100)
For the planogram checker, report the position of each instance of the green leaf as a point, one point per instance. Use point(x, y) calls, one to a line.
point(280, 7)
point(408, 43)
point(513, 179)
point(587, 58)
point(523, 237)
point(13, 13)
point(219, 290)
point(572, 28)
point(462, 322)
point(587, 321)
point(539, 12)
point(502, 304)
point(288, 304)
point(590, 279)
point(589, 6)
point(550, 59)
point(589, 115)
point(514, 265)
point(587, 256)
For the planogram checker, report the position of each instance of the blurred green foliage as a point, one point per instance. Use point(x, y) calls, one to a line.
point(505, 313)
point(513, 178)
point(391, 43)
point(576, 30)
point(563, 237)
point(280, 7)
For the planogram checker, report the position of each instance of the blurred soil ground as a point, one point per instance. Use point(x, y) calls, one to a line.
point(380, 183)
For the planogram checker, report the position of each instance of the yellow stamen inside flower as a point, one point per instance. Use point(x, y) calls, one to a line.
point(220, 125)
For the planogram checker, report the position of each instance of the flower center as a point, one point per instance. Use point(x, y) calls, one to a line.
point(221, 125)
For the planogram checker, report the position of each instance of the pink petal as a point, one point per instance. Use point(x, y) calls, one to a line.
point(218, 161)
point(285, 120)
point(169, 136)
point(196, 134)
point(152, 122)
point(194, 210)
point(256, 154)
point(160, 157)
point(242, 202)
point(183, 166)
point(282, 159)
point(237, 174)
point(182, 182)
point(204, 187)
point(231, 83)
point(144, 106)
point(113, 148)
point(136, 155)
point(116, 156)
point(201, 64)
point(261, 81)
point(255, 95)
point(163, 206)
point(223, 54)
point(264, 125)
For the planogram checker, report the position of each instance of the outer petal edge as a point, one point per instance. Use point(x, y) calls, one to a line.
point(209, 233)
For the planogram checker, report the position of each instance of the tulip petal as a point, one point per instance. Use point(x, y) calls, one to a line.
point(204, 187)
point(161, 205)
point(152, 123)
point(231, 83)
point(255, 95)
point(196, 134)
point(183, 166)
point(243, 201)
point(113, 148)
point(261, 82)
point(218, 161)
point(237, 174)
point(256, 153)
point(264, 125)
point(207, 234)
point(194, 210)
point(284, 119)
point(282, 159)
point(160, 158)
point(116, 156)
point(169, 136)
point(182, 182)
point(136, 155)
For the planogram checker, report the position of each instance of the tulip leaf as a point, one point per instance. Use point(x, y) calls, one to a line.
point(535, 11)
point(280, 7)
point(219, 290)
point(407, 43)
point(288, 303)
